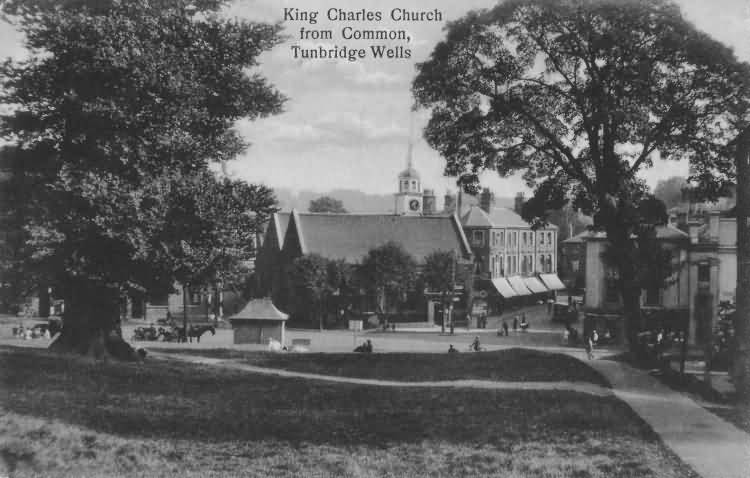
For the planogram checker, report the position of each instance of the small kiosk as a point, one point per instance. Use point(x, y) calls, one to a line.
point(257, 322)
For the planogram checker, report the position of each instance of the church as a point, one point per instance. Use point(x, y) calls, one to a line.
point(414, 223)
point(511, 263)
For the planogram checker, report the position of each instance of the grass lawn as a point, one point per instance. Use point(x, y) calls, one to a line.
point(509, 364)
point(69, 417)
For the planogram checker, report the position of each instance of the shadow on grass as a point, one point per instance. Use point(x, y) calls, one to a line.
point(517, 365)
point(182, 401)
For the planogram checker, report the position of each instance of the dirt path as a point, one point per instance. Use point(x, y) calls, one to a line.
point(580, 387)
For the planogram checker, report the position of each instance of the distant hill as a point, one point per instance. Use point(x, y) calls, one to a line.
point(361, 202)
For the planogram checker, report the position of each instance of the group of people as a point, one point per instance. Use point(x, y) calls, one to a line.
point(365, 347)
point(523, 324)
point(28, 333)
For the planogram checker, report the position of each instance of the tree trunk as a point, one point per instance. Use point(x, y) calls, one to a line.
point(741, 345)
point(91, 323)
point(620, 239)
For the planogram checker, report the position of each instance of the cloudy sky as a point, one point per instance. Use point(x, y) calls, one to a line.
point(347, 124)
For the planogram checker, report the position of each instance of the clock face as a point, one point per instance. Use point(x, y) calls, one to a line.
point(414, 205)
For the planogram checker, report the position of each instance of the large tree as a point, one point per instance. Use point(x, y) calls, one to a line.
point(580, 96)
point(209, 230)
point(442, 272)
point(388, 272)
point(115, 100)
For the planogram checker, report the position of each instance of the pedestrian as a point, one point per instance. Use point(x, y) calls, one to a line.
point(550, 304)
point(452, 350)
point(590, 347)
point(515, 323)
point(505, 327)
point(595, 336)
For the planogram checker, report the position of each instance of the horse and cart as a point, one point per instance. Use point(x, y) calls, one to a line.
point(173, 333)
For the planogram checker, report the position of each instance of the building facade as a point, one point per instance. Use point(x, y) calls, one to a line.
point(704, 256)
point(512, 261)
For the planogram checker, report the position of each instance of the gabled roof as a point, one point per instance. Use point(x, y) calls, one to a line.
point(476, 217)
point(497, 217)
point(280, 221)
point(260, 309)
point(351, 236)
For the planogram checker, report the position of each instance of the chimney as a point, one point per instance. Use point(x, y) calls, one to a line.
point(486, 200)
point(450, 203)
point(518, 203)
point(428, 202)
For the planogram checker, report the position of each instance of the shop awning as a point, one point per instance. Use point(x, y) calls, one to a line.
point(502, 286)
point(517, 283)
point(535, 285)
point(552, 281)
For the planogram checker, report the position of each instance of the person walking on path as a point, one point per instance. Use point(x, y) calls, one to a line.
point(590, 347)
point(505, 327)
point(515, 323)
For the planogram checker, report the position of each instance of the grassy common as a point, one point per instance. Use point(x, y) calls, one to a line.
point(69, 417)
point(516, 364)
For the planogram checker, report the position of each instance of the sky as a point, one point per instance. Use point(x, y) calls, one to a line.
point(348, 124)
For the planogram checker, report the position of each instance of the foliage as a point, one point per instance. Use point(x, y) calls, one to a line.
point(388, 271)
point(441, 272)
point(579, 96)
point(327, 204)
point(210, 227)
point(671, 190)
point(314, 280)
point(113, 106)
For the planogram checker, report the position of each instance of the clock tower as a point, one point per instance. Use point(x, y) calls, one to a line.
point(409, 196)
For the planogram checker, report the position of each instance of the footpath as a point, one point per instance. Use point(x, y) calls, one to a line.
point(713, 447)
point(581, 387)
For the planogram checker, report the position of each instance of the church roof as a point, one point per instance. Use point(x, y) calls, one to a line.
point(280, 221)
point(351, 236)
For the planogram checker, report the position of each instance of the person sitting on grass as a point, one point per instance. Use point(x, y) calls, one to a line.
point(452, 350)
point(475, 346)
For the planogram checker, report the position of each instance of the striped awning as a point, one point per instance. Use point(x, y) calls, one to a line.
point(502, 286)
point(518, 285)
point(552, 281)
point(535, 285)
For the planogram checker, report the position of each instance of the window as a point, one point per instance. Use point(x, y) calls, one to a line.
point(612, 294)
point(704, 273)
point(541, 238)
point(549, 238)
point(502, 238)
point(492, 265)
point(478, 238)
point(652, 295)
point(574, 265)
point(515, 264)
point(549, 263)
point(524, 239)
point(515, 238)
